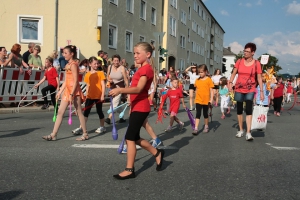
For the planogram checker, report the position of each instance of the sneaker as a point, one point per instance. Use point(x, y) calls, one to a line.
point(180, 125)
point(77, 131)
point(166, 113)
point(45, 106)
point(168, 129)
point(206, 129)
point(156, 142)
point(239, 134)
point(191, 109)
point(121, 120)
point(100, 130)
point(233, 107)
point(249, 137)
point(124, 149)
point(107, 120)
point(195, 132)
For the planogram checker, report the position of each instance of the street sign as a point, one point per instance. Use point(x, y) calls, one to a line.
point(264, 59)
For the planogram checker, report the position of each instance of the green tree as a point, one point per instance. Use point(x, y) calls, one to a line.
point(239, 56)
point(271, 62)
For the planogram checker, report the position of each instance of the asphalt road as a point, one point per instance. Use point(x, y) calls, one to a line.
point(213, 165)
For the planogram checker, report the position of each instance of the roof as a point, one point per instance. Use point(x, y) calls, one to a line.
point(228, 52)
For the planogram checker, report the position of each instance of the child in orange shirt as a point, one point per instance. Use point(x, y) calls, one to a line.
point(204, 96)
point(95, 90)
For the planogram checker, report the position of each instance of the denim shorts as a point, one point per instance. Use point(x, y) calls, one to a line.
point(241, 97)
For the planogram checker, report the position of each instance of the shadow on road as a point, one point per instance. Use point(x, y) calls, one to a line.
point(11, 194)
point(17, 133)
point(179, 144)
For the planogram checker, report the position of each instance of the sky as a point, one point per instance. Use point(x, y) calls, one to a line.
point(273, 25)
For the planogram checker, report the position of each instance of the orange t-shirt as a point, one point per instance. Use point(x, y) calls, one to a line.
point(93, 80)
point(203, 90)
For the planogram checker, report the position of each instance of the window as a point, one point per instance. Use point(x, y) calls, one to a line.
point(199, 11)
point(181, 64)
point(189, 34)
point(112, 36)
point(174, 3)
point(153, 52)
point(190, 13)
point(173, 26)
point(128, 45)
point(114, 2)
point(194, 26)
point(143, 10)
point(129, 5)
point(142, 38)
point(153, 16)
point(183, 17)
point(30, 29)
point(182, 41)
point(195, 6)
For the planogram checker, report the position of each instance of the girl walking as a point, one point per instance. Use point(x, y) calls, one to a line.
point(175, 95)
point(72, 93)
point(204, 96)
point(95, 90)
point(140, 109)
point(277, 97)
point(53, 83)
point(225, 98)
point(193, 74)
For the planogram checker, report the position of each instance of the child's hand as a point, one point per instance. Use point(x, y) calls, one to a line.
point(36, 86)
point(184, 106)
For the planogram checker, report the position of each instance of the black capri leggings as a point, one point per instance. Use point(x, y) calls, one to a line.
point(136, 121)
point(199, 110)
point(249, 107)
point(88, 107)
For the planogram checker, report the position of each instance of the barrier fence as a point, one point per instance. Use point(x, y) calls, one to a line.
point(15, 86)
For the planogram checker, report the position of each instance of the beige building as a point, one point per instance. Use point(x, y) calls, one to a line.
point(192, 35)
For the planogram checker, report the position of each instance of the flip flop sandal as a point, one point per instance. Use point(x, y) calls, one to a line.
point(49, 138)
point(82, 138)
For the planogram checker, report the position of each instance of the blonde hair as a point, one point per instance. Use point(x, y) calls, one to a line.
point(50, 59)
point(146, 46)
point(53, 54)
point(38, 47)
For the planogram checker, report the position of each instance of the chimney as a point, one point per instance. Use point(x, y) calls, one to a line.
point(229, 49)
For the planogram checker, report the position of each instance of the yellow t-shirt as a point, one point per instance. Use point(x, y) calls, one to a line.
point(203, 90)
point(94, 83)
point(99, 58)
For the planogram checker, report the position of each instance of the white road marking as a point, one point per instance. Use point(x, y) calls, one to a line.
point(285, 148)
point(269, 144)
point(113, 146)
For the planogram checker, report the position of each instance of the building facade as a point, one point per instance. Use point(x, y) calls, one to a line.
point(192, 35)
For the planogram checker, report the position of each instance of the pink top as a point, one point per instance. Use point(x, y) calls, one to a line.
point(246, 81)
